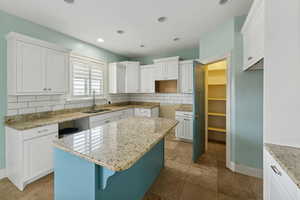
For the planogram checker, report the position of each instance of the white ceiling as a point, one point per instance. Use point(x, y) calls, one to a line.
point(90, 19)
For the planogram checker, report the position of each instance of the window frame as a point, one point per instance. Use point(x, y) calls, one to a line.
point(88, 61)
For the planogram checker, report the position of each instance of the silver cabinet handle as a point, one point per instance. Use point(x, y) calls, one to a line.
point(250, 58)
point(42, 131)
point(49, 89)
point(275, 170)
point(45, 89)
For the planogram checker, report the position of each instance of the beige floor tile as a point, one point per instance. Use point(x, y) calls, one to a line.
point(203, 176)
point(181, 179)
point(168, 187)
point(234, 185)
point(196, 192)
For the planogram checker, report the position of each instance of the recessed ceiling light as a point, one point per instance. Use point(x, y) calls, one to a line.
point(223, 2)
point(142, 46)
point(100, 40)
point(69, 1)
point(176, 39)
point(120, 31)
point(162, 19)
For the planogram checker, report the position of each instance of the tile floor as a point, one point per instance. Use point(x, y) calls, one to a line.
point(208, 179)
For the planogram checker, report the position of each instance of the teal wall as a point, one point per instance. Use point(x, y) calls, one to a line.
point(9, 23)
point(247, 93)
point(185, 54)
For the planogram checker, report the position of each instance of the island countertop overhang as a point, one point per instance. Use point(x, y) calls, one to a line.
point(117, 145)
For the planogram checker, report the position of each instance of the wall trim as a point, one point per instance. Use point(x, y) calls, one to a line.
point(249, 171)
point(2, 173)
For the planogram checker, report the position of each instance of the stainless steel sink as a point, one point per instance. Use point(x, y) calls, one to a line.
point(97, 111)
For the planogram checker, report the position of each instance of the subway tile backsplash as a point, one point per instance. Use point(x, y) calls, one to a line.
point(17, 105)
point(34, 104)
point(176, 98)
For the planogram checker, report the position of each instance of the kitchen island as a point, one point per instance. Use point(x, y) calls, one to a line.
point(115, 161)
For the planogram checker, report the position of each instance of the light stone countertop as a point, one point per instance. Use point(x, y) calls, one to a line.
point(117, 145)
point(288, 158)
point(25, 124)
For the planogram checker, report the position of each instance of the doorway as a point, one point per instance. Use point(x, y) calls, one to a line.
point(211, 107)
point(217, 105)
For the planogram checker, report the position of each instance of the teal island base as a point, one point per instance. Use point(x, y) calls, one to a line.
point(78, 179)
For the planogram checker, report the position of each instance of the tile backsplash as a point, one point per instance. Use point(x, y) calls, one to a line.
point(17, 105)
point(166, 98)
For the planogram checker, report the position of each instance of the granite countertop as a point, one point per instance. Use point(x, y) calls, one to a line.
point(117, 145)
point(288, 158)
point(29, 122)
point(185, 108)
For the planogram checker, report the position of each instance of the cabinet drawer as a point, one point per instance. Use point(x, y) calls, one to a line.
point(281, 177)
point(142, 112)
point(40, 131)
point(184, 114)
point(102, 117)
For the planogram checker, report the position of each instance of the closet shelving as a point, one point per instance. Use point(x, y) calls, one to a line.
point(216, 101)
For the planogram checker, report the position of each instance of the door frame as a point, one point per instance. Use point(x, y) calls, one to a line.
point(229, 100)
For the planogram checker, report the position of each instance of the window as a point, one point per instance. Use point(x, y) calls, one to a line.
point(87, 77)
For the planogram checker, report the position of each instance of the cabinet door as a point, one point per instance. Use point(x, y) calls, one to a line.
point(188, 125)
point(171, 70)
point(144, 80)
point(121, 78)
point(56, 70)
point(147, 79)
point(159, 71)
point(186, 78)
point(277, 192)
point(253, 37)
point(30, 68)
point(132, 77)
point(38, 156)
point(179, 132)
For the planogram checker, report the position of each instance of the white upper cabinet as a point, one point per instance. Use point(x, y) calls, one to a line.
point(186, 76)
point(132, 80)
point(167, 68)
point(253, 36)
point(29, 74)
point(56, 71)
point(117, 75)
point(35, 67)
point(147, 79)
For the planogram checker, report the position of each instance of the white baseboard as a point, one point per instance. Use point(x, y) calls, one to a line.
point(249, 171)
point(2, 173)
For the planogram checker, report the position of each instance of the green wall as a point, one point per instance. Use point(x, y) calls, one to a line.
point(185, 54)
point(9, 23)
point(247, 93)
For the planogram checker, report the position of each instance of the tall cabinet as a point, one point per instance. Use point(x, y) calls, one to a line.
point(186, 76)
point(35, 67)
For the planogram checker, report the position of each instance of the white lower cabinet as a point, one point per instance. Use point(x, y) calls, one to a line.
point(34, 154)
point(99, 120)
point(144, 112)
point(29, 154)
point(184, 129)
point(277, 184)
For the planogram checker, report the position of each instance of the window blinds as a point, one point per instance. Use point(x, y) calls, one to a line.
point(87, 77)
